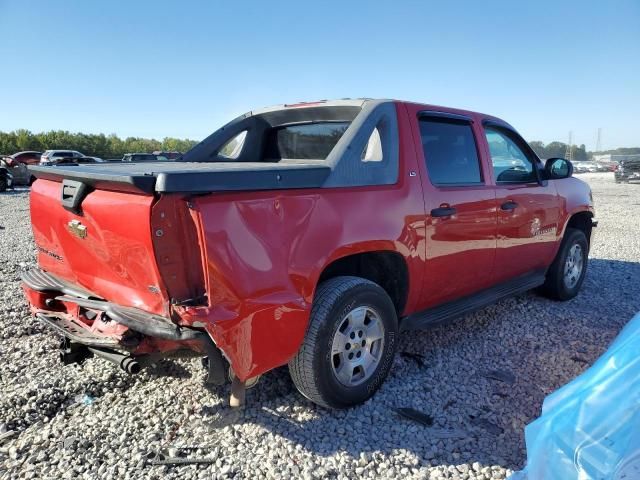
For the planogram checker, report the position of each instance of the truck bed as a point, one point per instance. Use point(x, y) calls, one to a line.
point(191, 177)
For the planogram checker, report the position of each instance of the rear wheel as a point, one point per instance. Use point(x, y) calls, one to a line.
point(350, 343)
point(567, 272)
point(3, 184)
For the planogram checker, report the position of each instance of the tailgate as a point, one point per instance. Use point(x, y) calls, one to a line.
point(105, 245)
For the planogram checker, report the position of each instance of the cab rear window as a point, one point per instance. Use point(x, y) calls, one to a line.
point(311, 141)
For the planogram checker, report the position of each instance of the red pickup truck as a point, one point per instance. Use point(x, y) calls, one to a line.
point(307, 234)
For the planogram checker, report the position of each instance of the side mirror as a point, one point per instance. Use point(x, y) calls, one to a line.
point(557, 168)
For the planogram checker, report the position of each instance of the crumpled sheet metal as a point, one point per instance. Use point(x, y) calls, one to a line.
point(590, 428)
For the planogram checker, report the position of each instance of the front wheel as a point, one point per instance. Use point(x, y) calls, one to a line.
point(567, 272)
point(3, 184)
point(350, 343)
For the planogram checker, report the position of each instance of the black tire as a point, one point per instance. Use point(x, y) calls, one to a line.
point(555, 286)
point(312, 369)
point(3, 184)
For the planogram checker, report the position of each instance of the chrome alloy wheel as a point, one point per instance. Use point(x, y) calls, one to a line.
point(357, 346)
point(573, 266)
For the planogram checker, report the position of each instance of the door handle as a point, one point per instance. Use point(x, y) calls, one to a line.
point(509, 205)
point(443, 212)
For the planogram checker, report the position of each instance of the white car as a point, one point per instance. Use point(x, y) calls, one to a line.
point(51, 157)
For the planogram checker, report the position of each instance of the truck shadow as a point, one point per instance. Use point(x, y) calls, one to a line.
point(481, 380)
point(167, 368)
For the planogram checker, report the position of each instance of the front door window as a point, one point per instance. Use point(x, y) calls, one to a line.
point(510, 163)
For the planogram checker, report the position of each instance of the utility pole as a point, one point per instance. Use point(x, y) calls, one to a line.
point(569, 153)
point(599, 141)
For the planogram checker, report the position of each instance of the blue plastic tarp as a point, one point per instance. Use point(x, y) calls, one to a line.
point(590, 428)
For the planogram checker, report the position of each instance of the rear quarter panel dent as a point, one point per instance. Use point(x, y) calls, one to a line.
point(266, 252)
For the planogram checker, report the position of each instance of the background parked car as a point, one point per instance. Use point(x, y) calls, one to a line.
point(143, 157)
point(18, 170)
point(27, 158)
point(583, 167)
point(168, 155)
point(579, 167)
point(627, 170)
point(6, 179)
point(77, 160)
point(51, 157)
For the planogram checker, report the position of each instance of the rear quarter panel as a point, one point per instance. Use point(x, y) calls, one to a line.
point(265, 252)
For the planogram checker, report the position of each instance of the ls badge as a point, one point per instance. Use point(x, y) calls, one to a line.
point(76, 228)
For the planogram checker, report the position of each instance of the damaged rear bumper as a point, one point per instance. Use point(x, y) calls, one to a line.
point(86, 320)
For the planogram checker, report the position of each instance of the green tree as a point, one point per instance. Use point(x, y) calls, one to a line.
point(538, 147)
point(580, 153)
point(556, 149)
point(97, 145)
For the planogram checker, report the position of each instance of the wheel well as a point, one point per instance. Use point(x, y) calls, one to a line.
point(582, 221)
point(387, 269)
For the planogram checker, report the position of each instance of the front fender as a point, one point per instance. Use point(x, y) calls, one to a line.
point(574, 197)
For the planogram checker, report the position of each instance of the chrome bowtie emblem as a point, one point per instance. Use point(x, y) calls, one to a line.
point(77, 229)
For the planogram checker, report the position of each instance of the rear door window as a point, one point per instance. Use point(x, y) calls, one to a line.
point(450, 152)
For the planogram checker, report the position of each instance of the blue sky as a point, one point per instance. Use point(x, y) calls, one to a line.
point(183, 68)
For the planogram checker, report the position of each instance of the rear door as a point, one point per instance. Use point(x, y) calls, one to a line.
point(460, 213)
point(528, 209)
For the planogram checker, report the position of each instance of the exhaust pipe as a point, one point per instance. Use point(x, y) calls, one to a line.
point(125, 362)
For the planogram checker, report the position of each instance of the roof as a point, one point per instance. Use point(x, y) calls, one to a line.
point(26, 151)
point(348, 102)
point(360, 102)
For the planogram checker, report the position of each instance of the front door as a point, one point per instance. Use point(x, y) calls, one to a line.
point(528, 209)
point(459, 208)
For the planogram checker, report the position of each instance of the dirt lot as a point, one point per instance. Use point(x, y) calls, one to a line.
point(94, 421)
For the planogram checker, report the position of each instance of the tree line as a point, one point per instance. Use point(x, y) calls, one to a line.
point(559, 150)
point(112, 146)
point(580, 153)
point(97, 145)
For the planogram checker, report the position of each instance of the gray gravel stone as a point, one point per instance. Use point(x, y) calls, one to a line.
point(280, 434)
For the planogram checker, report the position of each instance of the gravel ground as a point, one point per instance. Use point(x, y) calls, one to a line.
point(93, 421)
